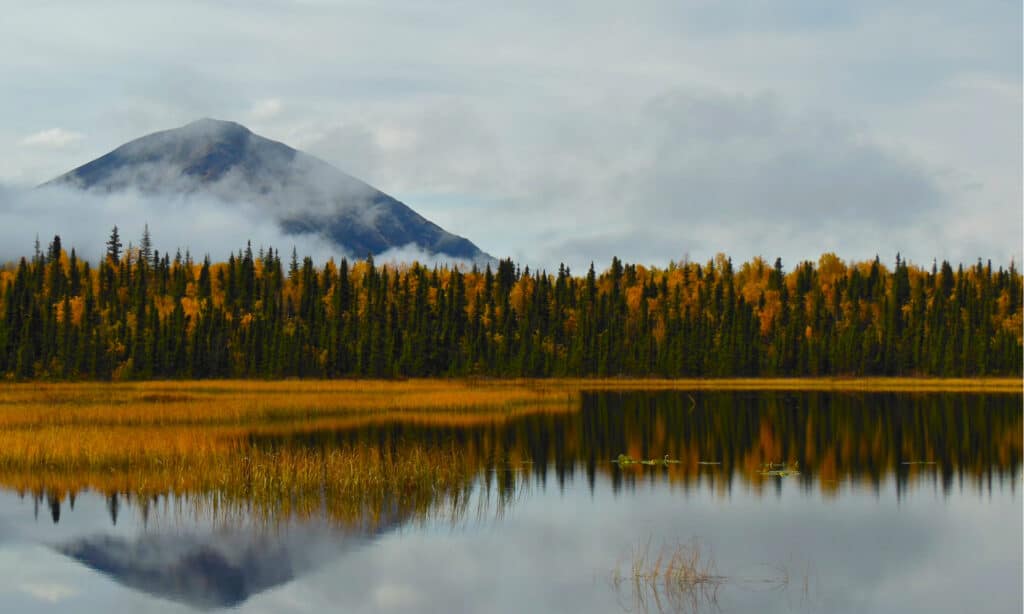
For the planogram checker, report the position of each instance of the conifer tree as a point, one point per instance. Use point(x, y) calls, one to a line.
point(114, 246)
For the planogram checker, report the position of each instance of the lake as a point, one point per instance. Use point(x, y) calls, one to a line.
point(754, 502)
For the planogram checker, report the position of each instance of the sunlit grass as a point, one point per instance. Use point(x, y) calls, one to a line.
point(245, 402)
point(254, 443)
point(176, 438)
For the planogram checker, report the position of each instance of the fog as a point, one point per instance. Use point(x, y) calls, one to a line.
point(200, 224)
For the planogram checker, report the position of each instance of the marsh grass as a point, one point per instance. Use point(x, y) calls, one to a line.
point(676, 577)
point(351, 487)
point(195, 442)
point(682, 577)
point(73, 427)
point(244, 402)
point(210, 439)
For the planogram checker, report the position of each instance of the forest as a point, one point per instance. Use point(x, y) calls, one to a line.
point(139, 314)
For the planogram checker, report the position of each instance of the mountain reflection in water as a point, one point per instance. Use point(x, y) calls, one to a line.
point(201, 572)
point(219, 566)
point(212, 557)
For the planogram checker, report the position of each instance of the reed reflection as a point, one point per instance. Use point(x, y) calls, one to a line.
point(724, 437)
point(359, 471)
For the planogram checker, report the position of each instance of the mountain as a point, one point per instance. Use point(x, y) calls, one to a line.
point(224, 568)
point(304, 194)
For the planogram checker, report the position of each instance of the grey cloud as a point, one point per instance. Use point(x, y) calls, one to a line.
point(644, 246)
point(83, 221)
point(444, 146)
point(686, 171)
point(200, 224)
point(586, 119)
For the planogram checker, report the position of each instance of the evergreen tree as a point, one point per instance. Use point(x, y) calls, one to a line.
point(114, 246)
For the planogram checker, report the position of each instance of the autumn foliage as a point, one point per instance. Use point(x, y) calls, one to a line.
point(146, 315)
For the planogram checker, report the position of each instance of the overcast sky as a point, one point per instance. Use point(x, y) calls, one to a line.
point(571, 131)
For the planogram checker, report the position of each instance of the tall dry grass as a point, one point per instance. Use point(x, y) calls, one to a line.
point(201, 437)
point(192, 439)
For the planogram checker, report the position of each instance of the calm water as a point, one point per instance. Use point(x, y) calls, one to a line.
point(889, 503)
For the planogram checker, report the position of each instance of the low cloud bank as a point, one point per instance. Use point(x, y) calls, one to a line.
point(200, 224)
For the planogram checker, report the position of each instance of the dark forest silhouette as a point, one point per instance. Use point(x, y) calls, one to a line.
point(141, 314)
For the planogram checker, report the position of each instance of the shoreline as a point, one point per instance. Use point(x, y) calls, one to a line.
point(1013, 385)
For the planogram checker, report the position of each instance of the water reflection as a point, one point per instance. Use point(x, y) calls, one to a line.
point(211, 549)
point(195, 570)
point(718, 439)
point(185, 550)
point(723, 437)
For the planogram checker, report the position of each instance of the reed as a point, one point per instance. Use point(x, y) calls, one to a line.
point(196, 441)
point(349, 486)
point(677, 577)
point(243, 402)
point(682, 577)
point(258, 441)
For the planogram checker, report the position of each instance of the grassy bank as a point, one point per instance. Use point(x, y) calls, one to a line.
point(119, 426)
point(252, 443)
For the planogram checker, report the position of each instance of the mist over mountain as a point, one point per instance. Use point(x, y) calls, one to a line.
point(303, 195)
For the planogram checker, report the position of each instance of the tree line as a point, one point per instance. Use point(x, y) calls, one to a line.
point(140, 314)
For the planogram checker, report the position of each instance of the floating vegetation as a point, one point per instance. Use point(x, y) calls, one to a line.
point(624, 460)
point(709, 463)
point(780, 470)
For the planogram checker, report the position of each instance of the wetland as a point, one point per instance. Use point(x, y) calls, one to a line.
point(511, 496)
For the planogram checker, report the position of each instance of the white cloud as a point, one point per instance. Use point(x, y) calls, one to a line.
point(687, 170)
point(50, 592)
point(266, 109)
point(54, 138)
point(202, 225)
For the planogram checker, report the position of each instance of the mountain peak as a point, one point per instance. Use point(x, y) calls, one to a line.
point(225, 160)
point(210, 129)
point(210, 123)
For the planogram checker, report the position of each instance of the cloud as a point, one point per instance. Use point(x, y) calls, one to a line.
point(391, 596)
point(410, 253)
point(645, 246)
point(200, 224)
point(266, 109)
point(688, 170)
point(543, 554)
point(54, 138)
point(50, 592)
point(270, 195)
point(766, 129)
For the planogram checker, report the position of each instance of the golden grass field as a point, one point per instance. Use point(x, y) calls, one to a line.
point(158, 438)
point(102, 426)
